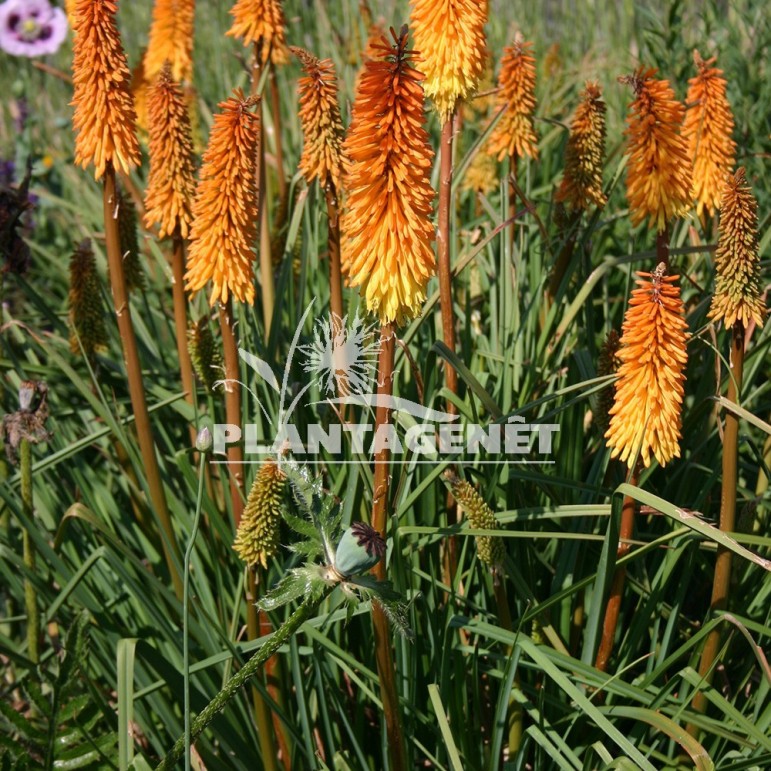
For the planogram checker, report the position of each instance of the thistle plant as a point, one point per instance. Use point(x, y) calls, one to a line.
point(104, 122)
point(707, 128)
point(334, 559)
point(737, 303)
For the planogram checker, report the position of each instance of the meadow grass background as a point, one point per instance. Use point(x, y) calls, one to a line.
point(558, 519)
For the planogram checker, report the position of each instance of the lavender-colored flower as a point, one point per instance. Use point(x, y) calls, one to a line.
point(31, 27)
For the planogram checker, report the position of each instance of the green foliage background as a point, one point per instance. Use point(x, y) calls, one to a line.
point(559, 519)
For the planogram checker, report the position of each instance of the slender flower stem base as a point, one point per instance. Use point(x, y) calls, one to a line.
point(613, 607)
point(275, 105)
point(232, 408)
point(722, 578)
point(30, 593)
point(335, 285)
point(383, 653)
point(186, 607)
point(134, 374)
point(180, 322)
point(238, 680)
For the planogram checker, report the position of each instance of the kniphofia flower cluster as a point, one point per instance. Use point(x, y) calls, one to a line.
point(262, 23)
point(450, 39)
point(658, 176)
point(225, 208)
point(646, 413)
point(85, 303)
point(171, 182)
point(582, 184)
point(707, 129)
point(104, 110)
point(738, 297)
point(514, 134)
point(320, 118)
point(171, 40)
point(480, 517)
point(258, 532)
point(386, 225)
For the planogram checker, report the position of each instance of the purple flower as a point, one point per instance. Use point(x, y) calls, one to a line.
point(31, 27)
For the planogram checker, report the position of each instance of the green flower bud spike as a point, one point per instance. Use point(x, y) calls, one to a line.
point(359, 550)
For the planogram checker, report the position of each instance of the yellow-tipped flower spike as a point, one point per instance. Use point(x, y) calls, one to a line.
point(514, 134)
point(85, 303)
point(738, 297)
point(646, 413)
point(658, 175)
point(104, 118)
point(582, 184)
point(261, 22)
point(171, 183)
point(225, 209)
point(707, 129)
point(171, 40)
point(386, 224)
point(480, 516)
point(320, 118)
point(450, 41)
point(258, 533)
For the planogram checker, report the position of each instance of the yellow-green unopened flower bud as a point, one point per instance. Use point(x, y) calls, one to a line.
point(204, 354)
point(133, 274)
point(85, 303)
point(359, 550)
point(480, 516)
point(257, 536)
point(203, 440)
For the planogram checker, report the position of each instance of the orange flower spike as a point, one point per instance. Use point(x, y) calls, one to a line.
point(582, 184)
point(646, 413)
point(658, 177)
point(450, 40)
point(386, 225)
point(171, 183)
point(738, 293)
point(261, 22)
point(171, 39)
point(225, 209)
point(104, 119)
point(707, 128)
point(320, 119)
point(514, 133)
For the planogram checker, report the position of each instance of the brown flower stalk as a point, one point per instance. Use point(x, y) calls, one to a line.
point(707, 129)
point(104, 121)
point(645, 417)
point(658, 178)
point(104, 118)
point(738, 304)
point(171, 40)
point(169, 197)
point(386, 226)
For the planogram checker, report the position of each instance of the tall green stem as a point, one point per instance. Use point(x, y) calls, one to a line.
point(30, 593)
point(186, 606)
point(238, 680)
